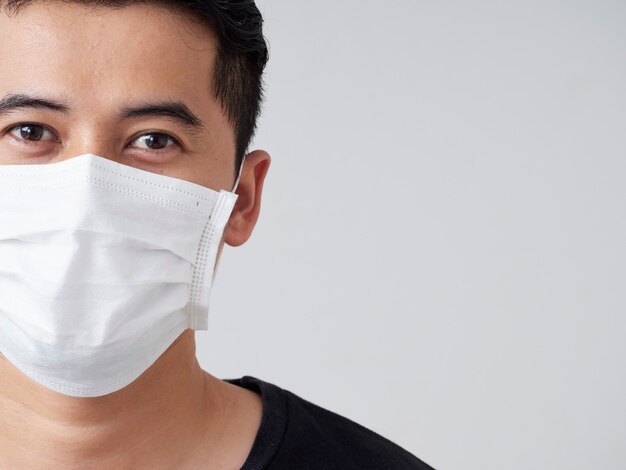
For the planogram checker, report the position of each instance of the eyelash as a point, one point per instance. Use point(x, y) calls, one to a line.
point(28, 124)
point(45, 128)
point(171, 137)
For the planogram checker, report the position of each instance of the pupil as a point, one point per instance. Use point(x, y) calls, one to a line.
point(31, 132)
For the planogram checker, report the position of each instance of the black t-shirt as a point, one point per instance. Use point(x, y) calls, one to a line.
point(298, 435)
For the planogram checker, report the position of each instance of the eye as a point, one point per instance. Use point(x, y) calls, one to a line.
point(32, 132)
point(154, 141)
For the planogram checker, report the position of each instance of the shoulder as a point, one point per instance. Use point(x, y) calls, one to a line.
point(316, 438)
point(332, 438)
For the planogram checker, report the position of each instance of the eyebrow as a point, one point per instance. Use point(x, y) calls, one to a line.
point(14, 102)
point(175, 110)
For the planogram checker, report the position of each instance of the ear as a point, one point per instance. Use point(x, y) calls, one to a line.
point(248, 206)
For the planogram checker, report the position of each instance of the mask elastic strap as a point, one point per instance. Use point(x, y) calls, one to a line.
point(238, 175)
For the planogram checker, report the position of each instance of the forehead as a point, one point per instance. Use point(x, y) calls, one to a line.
point(105, 53)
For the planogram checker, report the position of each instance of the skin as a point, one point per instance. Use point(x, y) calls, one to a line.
point(96, 60)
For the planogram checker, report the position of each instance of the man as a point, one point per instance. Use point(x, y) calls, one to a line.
point(123, 130)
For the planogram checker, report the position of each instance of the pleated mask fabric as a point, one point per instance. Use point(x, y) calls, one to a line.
point(102, 267)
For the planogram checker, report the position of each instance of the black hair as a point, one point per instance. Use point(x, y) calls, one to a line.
point(241, 59)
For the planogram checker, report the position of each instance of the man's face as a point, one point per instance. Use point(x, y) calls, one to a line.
point(119, 75)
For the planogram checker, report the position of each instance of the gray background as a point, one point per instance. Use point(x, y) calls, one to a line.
point(440, 255)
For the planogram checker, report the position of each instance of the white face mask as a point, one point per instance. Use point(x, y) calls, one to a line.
point(102, 267)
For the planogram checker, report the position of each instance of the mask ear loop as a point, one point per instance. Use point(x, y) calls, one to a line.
point(218, 258)
point(238, 175)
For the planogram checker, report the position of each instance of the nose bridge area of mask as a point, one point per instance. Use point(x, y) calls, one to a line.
point(13, 174)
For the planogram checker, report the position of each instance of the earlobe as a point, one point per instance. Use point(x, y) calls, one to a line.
point(248, 206)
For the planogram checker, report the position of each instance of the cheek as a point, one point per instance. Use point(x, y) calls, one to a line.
point(211, 170)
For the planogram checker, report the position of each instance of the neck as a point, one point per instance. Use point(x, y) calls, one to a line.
point(168, 408)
